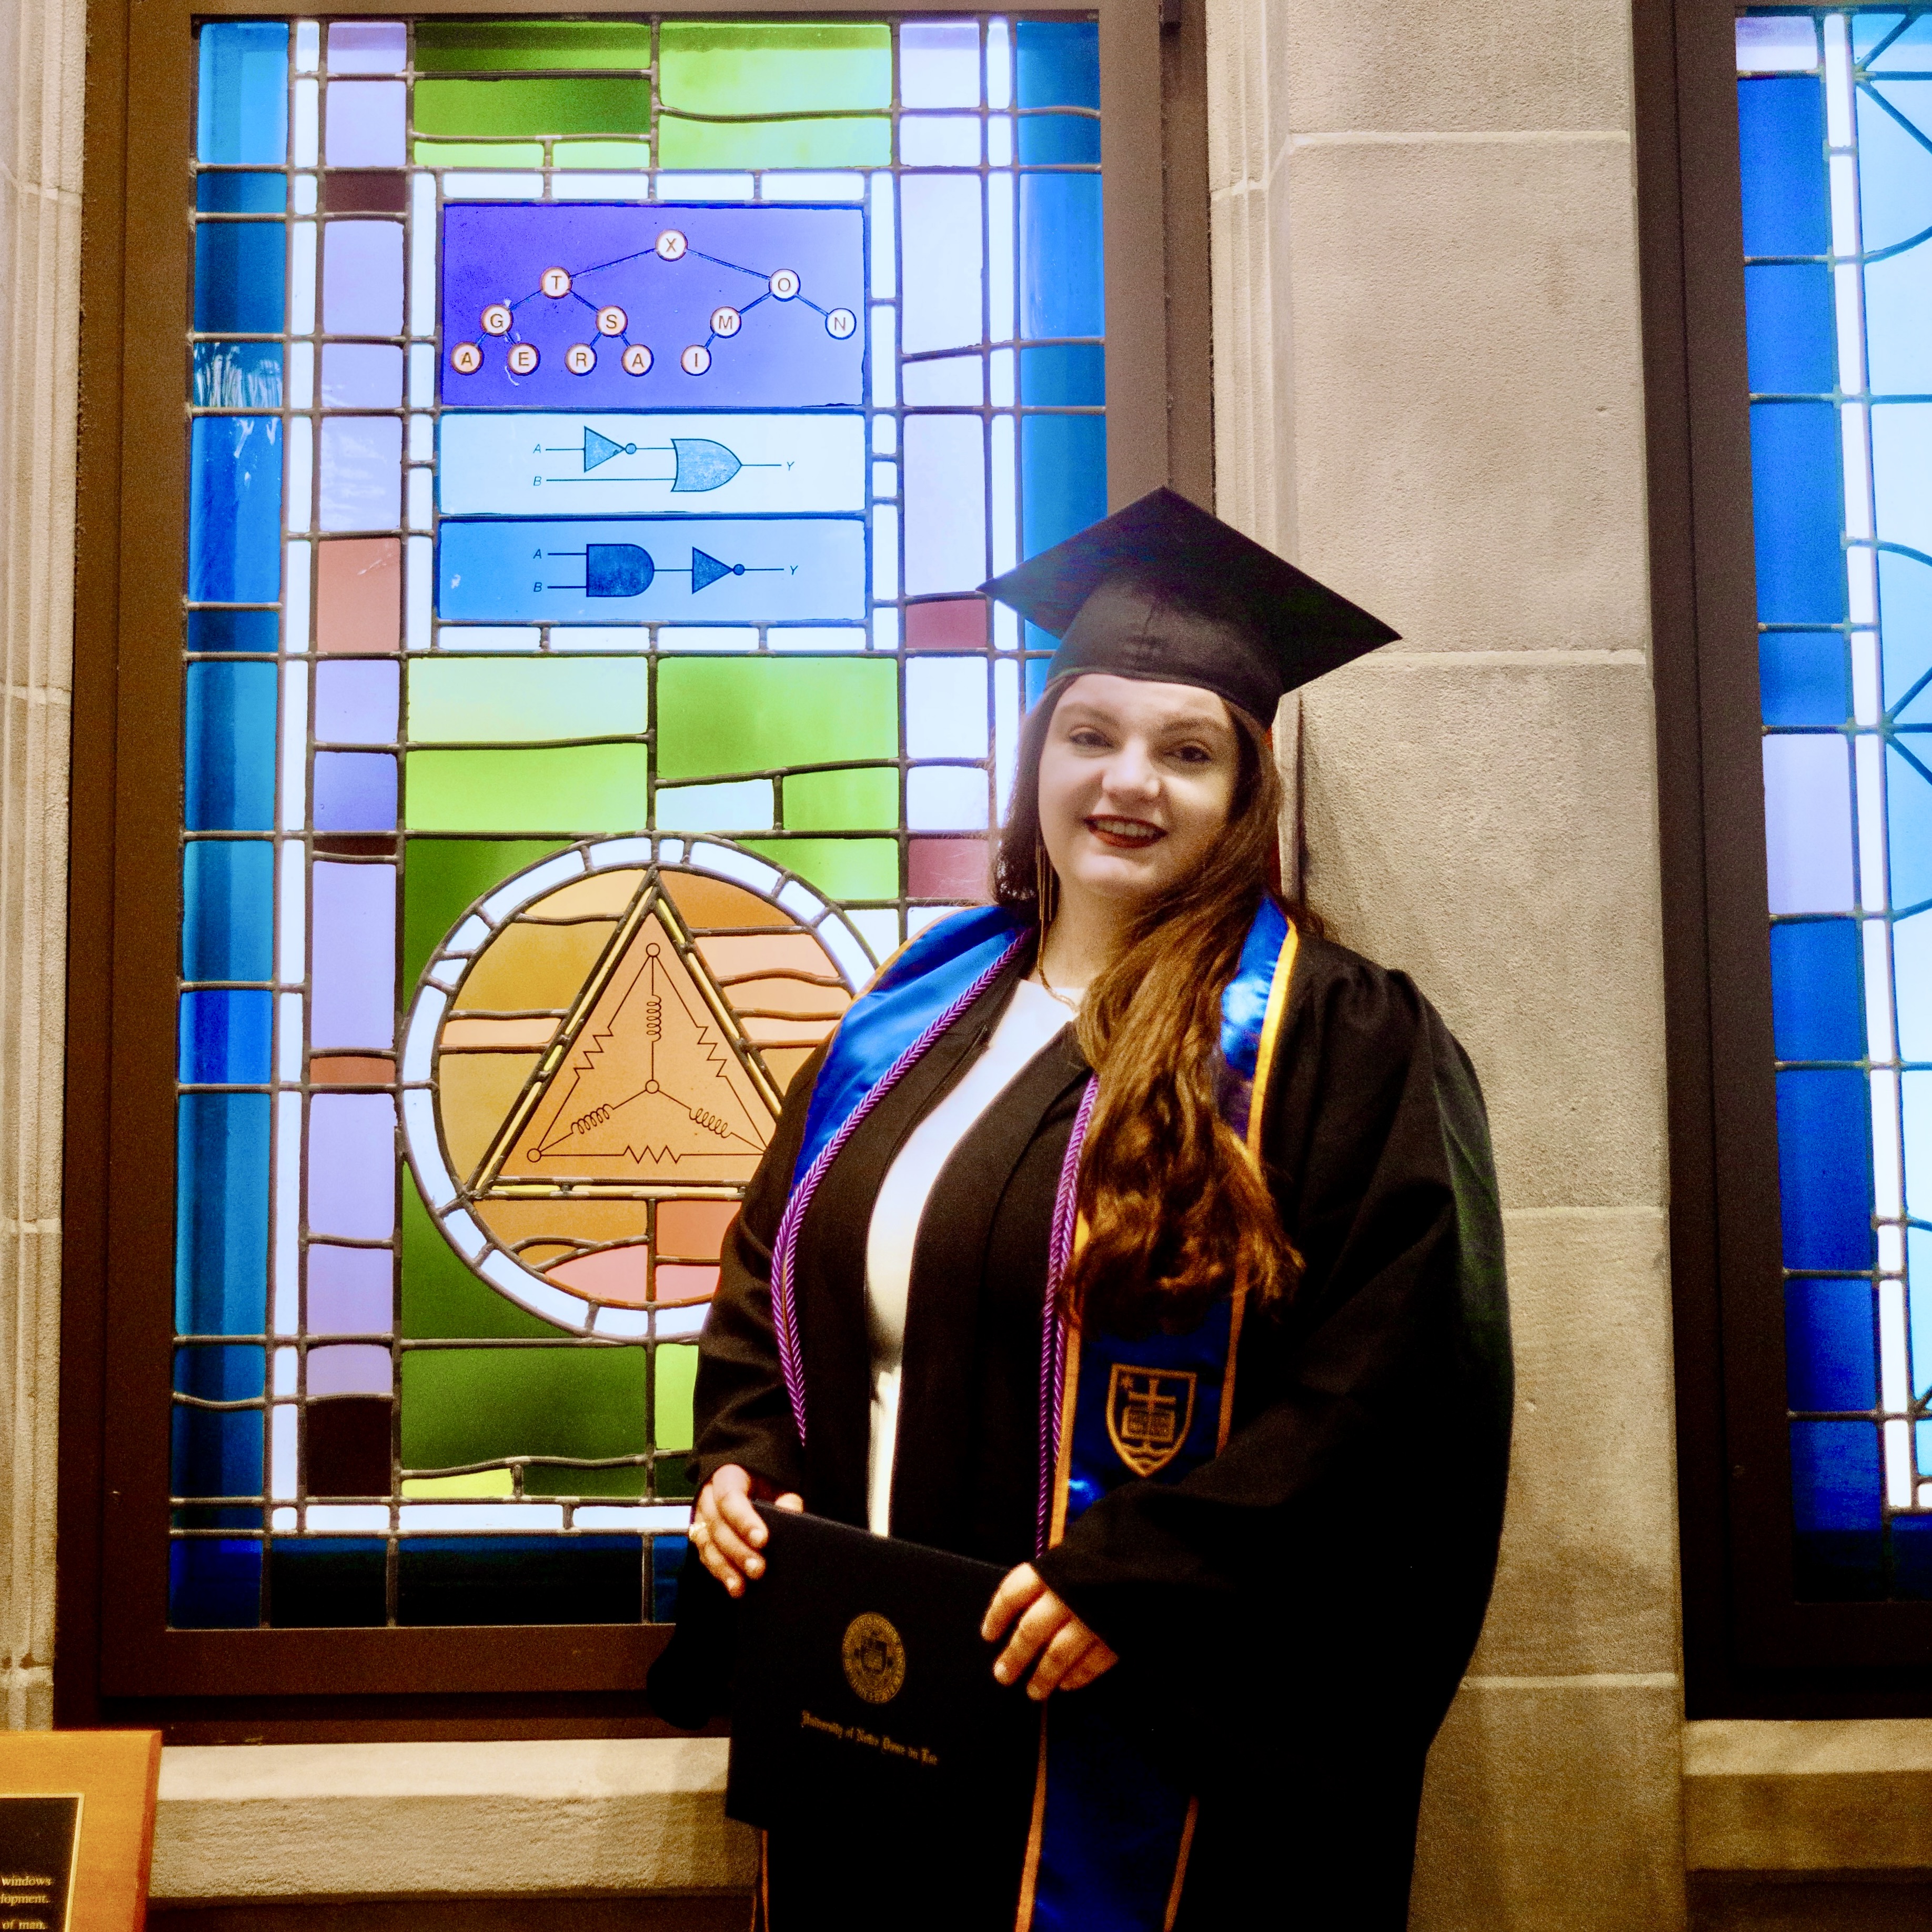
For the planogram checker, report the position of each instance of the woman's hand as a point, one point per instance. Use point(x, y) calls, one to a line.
point(726, 1529)
point(1070, 1654)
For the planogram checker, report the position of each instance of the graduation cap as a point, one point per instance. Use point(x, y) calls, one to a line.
point(1163, 591)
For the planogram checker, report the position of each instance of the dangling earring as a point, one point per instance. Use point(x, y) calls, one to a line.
point(1046, 886)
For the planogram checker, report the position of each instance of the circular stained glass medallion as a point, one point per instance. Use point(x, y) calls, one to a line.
point(595, 1061)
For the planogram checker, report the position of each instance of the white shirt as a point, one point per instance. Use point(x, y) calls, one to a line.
point(1032, 1018)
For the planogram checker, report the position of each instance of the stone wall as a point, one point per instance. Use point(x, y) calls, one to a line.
point(42, 43)
point(1429, 392)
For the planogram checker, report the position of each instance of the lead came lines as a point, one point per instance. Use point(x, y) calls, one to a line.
point(613, 321)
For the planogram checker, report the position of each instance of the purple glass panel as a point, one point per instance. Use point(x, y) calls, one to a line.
point(367, 46)
point(362, 278)
point(354, 791)
point(1807, 822)
point(361, 376)
point(361, 476)
point(356, 703)
point(352, 1165)
point(353, 1368)
point(351, 1290)
point(350, 972)
point(365, 123)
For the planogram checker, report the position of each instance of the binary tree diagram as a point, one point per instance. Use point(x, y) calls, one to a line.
point(610, 322)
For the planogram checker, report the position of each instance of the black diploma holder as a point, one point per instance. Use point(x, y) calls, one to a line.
point(864, 1702)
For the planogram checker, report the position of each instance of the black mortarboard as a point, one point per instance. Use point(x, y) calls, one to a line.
point(1162, 590)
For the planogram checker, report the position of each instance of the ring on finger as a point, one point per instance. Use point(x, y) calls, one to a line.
point(700, 1532)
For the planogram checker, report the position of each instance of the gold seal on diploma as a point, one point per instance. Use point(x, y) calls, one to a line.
point(874, 1656)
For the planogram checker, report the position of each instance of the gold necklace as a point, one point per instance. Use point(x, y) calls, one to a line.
point(1040, 973)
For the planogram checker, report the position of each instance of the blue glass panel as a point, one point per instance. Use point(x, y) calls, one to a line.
point(255, 632)
point(1919, 1271)
point(334, 1582)
point(1059, 63)
point(242, 194)
point(217, 1452)
point(1790, 331)
point(1781, 144)
point(1898, 290)
point(234, 510)
point(357, 704)
point(1816, 985)
point(228, 905)
point(1839, 1553)
point(226, 1036)
point(1060, 256)
point(667, 1556)
point(1915, 1107)
point(229, 782)
point(214, 1583)
point(238, 375)
point(1895, 170)
point(1036, 669)
point(1068, 375)
point(1911, 985)
point(1798, 504)
point(1066, 139)
point(1908, 802)
point(1905, 613)
point(354, 791)
point(1869, 27)
point(225, 1372)
point(221, 1216)
point(520, 1579)
point(1825, 1170)
point(1831, 1349)
point(1804, 677)
point(1064, 471)
point(1911, 1557)
point(242, 108)
point(240, 276)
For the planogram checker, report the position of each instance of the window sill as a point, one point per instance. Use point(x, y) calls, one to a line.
point(1820, 1796)
point(316, 1823)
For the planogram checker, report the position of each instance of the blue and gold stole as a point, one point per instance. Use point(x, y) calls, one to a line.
point(1111, 1828)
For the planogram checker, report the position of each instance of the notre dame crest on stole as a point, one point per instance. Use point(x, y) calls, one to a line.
point(1149, 1412)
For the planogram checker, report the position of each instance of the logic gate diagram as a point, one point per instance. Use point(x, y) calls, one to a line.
point(595, 305)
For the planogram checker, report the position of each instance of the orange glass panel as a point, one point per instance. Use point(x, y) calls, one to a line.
point(495, 1036)
point(739, 955)
point(702, 901)
point(534, 966)
point(782, 1063)
point(475, 1091)
point(351, 1070)
point(947, 868)
point(359, 594)
point(675, 1283)
point(694, 1230)
point(611, 1274)
point(568, 1217)
point(607, 895)
point(946, 624)
point(798, 998)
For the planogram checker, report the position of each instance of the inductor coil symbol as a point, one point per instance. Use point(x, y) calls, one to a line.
point(713, 1122)
point(584, 1123)
point(654, 1019)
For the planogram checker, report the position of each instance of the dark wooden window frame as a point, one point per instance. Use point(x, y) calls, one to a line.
point(1750, 1648)
point(116, 1662)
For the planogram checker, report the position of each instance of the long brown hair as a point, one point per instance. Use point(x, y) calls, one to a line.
point(1176, 1213)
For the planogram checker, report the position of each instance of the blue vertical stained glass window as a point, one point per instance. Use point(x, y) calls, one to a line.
point(599, 432)
point(1835, 123)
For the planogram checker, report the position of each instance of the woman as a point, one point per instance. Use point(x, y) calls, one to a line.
point(1209, 1352)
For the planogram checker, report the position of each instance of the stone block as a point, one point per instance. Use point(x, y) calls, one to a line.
point(1482, 65)
point(1490, 828)
point(1468, 419)
point(1588, 1581)
point(1553, 1807)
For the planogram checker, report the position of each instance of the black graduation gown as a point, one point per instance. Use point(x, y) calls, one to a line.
point(1299, 1611)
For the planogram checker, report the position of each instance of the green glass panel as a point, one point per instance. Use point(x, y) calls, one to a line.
point(633, 1481)
point(478, 153)
point(533, 107)
point(721, 715)
point(485, 46)
point(574, 788)
point(677, 1376)
point(602, 155)
point(469, 701)
point(472, 1405)
point(855, 142)
point(441, 876)
point(773, 67)
point(842, 801)
point(442, 1300)
point(844, 868)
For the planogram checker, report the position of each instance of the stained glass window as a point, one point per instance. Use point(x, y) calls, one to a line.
point(1835, 118)
point(597, 430)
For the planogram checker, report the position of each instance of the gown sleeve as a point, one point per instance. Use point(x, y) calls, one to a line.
point(1359, 1499)
point(739, 1407)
